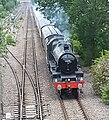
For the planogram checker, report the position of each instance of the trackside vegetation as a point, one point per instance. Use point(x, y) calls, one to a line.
point(6, 6)
point(10, 40)
point(89, 29)
point(100, 72)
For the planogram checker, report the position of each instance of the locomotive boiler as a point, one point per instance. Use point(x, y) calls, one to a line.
point(66, 73)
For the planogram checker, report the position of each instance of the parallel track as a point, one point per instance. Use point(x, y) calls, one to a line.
point(35, 84)
point(23, 110)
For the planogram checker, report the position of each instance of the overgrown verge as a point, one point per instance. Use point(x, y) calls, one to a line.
point(100, 72)
point(6, 6)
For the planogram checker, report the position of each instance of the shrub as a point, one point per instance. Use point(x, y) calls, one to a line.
point(3, 14)
point(100, 72)
point(105, 93)
point(76, 46)
point(10, 40)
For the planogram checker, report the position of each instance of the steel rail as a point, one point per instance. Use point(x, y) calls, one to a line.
point(23, 74)
point(63, 107)
point(39, 107)
point(80, 105)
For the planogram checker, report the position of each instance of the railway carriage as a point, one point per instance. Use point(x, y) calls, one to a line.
point(67, 76)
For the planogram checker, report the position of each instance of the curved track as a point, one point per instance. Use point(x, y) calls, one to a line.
point(17, 84)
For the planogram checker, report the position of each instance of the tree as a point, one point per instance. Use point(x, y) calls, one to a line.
point(90, 19)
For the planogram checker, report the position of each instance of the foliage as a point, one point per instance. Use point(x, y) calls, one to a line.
point(5, 6)
point(76, 46)
point(10, 40)
point(89, 20)
point(2, 41)
point(105, 93)
point(3, 12)
point(58, 18)
point(100, 72)
point(9, 5)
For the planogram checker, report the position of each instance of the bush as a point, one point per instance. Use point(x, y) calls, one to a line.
point(9, 5)
point(10, 40)
point(105, 93)
point(3, 14)
point(1, 49)
point(76, 46)
point(100, 72)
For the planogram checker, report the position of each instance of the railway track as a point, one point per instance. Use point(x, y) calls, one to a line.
point(72, 109)
point(33, 108)
point(82, 109)
point(29, 97)
point(39, 107)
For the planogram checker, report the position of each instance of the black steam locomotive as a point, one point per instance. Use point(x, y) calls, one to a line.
point(62, 63)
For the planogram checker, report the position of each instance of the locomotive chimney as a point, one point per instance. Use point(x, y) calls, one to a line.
point(66, 47)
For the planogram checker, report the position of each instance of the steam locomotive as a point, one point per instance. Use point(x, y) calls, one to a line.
point(67, 75)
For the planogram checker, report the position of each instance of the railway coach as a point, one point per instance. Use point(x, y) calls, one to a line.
point(67, 75)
